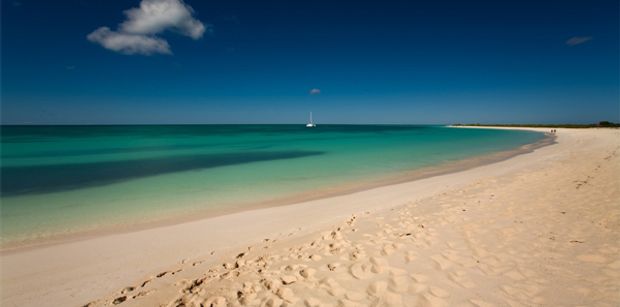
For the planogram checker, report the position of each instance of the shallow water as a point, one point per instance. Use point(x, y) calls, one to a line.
point(70, 179)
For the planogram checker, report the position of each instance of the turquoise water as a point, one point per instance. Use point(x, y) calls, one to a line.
point(69, 179)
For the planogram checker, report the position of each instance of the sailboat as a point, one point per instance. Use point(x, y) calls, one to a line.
point(310, 124)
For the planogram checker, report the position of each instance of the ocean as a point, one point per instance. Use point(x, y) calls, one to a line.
point(63, 181)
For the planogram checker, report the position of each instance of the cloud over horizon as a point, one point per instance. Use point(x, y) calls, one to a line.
point(129, 43)
point(578, 40)
point(315, 91)
point(138, 33)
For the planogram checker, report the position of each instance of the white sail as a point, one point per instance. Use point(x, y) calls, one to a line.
point(310, 123)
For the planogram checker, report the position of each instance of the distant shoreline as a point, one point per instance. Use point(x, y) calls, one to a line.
point(599, 125)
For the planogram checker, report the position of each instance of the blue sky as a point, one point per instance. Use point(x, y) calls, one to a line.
point(257, 61)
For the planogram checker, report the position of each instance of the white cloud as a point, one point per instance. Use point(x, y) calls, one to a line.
point(315, 91)
point(138, 33)
point(578, 40)
point(129, 43)
point(155, 16)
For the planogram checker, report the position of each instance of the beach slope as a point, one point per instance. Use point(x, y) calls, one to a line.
point(542, 228)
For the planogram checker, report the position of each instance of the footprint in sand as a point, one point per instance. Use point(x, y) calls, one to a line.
point(333, 266)
point(410, 256)
point(419, 277)
point(332, 287)
point(378, 265)
point(144, 283)
point(142, 293)
point(272, 302)
point(127, 290)
point(315, 257)
point(249, 299)
point(398, 284)
point(439, 292)
point(354, 296)
point(119, 300)
point(287, 294)
point(442, 262)
point(288, 279)
point(217, 301)
point(197, 263)
point(307, 273)
point(162, 274)
point(392, 299)
point(377, 288)
point(312, 302)
point(272, 284)
point(431, 300)
point(361, 270)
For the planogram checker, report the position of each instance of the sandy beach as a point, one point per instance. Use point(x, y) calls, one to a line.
point(538, 229)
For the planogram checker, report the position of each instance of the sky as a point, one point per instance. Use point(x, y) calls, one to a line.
point(355, 62)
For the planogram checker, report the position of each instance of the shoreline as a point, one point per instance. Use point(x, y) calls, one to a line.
point(443, 168)
point(91, 270)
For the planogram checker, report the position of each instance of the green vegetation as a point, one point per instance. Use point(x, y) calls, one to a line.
point(599, 125)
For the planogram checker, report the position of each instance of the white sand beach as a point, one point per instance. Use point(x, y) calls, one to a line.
point(537, 229)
